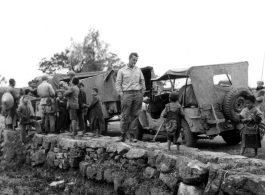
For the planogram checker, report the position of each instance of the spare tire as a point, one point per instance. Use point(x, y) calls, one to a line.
point(234, 103)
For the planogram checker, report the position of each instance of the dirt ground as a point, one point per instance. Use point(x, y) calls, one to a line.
point(217, 144)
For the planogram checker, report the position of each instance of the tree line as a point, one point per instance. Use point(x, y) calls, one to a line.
point(90, 55)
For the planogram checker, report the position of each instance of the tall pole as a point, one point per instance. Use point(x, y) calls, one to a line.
point(262, 67)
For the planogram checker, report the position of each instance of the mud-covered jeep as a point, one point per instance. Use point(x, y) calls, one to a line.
point(211, 97)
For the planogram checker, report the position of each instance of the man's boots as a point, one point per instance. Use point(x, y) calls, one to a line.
point(122, 138)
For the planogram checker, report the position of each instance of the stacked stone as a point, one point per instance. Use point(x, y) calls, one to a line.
point(142, 171)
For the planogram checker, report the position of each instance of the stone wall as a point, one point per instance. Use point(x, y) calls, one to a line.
point(147, 168)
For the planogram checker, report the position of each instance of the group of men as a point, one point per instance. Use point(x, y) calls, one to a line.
point(130, 85)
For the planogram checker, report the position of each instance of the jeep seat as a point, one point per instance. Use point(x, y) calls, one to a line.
point(190, 99)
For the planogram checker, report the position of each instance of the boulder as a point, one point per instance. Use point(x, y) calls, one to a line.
point(64, 164)
point(169, 180)
point(108, 175)
point(67, 143)
point(188, 190)
point(130, 184)
point(215, 179)
point(122, 148)
point(83, 167)
point(149, 172)
point(152, 155)
point(50, 159)
point(142, 190)
point(74, 162)
point(165, 163)
point(244, 183)
point(135, 153)
point(91, 172)
point(191, 171)
point(159, 191)
point(39, 157)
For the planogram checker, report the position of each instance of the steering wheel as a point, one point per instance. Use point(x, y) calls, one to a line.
point(163, 92)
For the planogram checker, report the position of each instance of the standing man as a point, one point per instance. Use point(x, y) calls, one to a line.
point(72, 95)
point(44, 91)
point(131, 86)
point(11, 115)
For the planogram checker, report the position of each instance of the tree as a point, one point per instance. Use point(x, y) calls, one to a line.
point(57, 62)
point(90, 55)
point(2, 80)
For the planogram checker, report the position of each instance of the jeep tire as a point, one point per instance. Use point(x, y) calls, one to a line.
point(231, 137)
point(189, 138)
point(234, 103)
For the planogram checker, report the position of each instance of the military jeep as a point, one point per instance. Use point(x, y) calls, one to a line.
point(211, 97)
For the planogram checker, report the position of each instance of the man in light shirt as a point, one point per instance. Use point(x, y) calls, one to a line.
point(45, 91)
point(131, 86)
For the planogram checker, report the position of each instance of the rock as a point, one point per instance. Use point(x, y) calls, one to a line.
point(135, 153)
point(91, 172)
point(67, 143)
point(100, 174)
point(188, 190)
point(39, 157)
point(191, 171)
point(59, 155)
point(58, 184)
point(165, 163)
point(56, 162)
point(215, 180)
point(100, 150)
point(74, 162)
point(108, 175)
point(118, 181)
point(117, 158)
point(158, 191)
point(243, 183)
point(49, 142)
point(50, 159)
point(64, 164)
point(56, 150)
point(169, 180)
point(8, 137)
point(149, 172)
point(90, 150)
point(122, 148)
point(111, 148)
point(83, 167)
point(97, 143)
point(38, 139)
point(81, 144)
point(129, 185)
point(65, 155)
point(142, 190)
point(103, 157)
point(152, 155)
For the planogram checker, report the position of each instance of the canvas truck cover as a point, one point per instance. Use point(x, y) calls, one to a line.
point(56, 78)
point(105, 83)
point(203, 84)
point(202, 79)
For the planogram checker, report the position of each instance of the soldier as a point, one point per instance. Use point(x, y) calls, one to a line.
point(130, 85)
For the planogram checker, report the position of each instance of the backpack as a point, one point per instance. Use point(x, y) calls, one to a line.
point(172, 121)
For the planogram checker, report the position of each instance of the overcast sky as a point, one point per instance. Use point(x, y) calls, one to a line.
point(166, 34)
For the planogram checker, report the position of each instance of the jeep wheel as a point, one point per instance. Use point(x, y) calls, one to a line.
point(139, 132)
point(189, 138)
point(234, 103)
point(231, 137)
